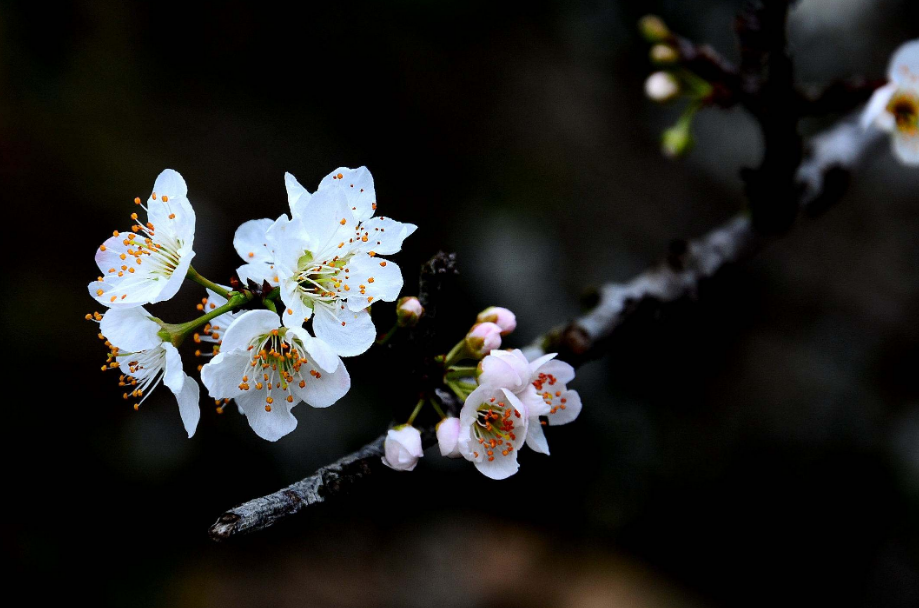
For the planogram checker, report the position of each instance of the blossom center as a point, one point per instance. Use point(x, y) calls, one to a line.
point(320, 281)
point(275, 364)
point(905, 109)
point(494, 428)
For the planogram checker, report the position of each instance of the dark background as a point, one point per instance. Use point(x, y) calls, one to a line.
point(759, 446)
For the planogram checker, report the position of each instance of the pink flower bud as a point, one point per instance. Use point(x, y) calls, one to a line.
point(482, 339)
point(409, 311)
point(402, 448)
point(501, 317)
point(447, 435)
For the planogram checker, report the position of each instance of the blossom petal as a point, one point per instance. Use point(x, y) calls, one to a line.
point(877, 107)
point(508, 369)
point(499, 468)
point(247, 327)
point(371, 280)
point(536, 438)
point(349, 333)
point(258, 273)
point(173, 373)
point(171, 285)
point(357, 186)
point(572, 407)
point(328, 221)
point(561, 371)
point(904, 65)
point(130, 329)
point(189, 409)
point(297, 195)
point(906, 147)
point(319, 351)
point(384, 235)
point(268, 425)
point(297, 311)
point(324, 390)
point(251, 241)
point(223, 374)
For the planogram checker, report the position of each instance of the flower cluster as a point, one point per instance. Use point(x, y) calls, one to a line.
point(507, 401)
point(319, 269)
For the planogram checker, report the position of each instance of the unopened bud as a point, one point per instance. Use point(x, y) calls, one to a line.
point(501, 317)
point(448, 437)
point(402, 448)
point(677, 140)
point(664, 54)
point(653, 28)
point(661, 87)
point(408, 311)
point(482, 339)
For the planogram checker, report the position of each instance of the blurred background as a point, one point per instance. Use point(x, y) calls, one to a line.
point(758, 446)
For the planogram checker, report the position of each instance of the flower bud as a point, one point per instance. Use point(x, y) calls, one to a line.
point(501, 317)
point(447, 437)
point(653, 28)
point(677, 140)
point(661, 87)
point(402, 448)
point(408, 311)
point(482, 339)
point(664, 54)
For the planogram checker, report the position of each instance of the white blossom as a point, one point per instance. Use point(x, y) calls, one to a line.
point(448, 431)
point(145, 360)
point(895, 106)
point(501, 317)
point(493, 426)
point(402, 448)
point(268, 369)
point(148, 264)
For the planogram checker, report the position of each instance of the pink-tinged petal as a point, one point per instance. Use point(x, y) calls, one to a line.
point(508, 369)
point(349, 333)
point(357, 186)
point(247, 327)
point(904, 65)
point(536, 438)
point(268, 425)
point(251, 241)
point(131, 329)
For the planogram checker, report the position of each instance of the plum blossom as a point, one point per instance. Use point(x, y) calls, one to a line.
point(501, 317)
point(541, 385)
point(268, 369)
point(448, 431)
point(493, 426)
point(149, 263)
point(482, 339)
point(327, 259)
point(402, 448)
point(145, 360)
point(895, 106)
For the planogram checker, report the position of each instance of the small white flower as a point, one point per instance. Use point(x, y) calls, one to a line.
point(541, 385)
point(482, 339)
point(661, 87)
point(327, 259)
point(145, 360)
point(895, 106)
point(402, 448)
point(501, 317)
point(493, 426)
point(448, 431)
point(149, 263)
point(268, 369)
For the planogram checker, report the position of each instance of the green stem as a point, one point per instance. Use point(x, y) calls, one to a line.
point(437, 409)
point(417, 409)
point(200, 280)
point(458, 389)
point(385, 337)
point(177, 332)
point(456, 373)
point(457, 353)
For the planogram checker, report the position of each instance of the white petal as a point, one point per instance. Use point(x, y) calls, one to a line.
point(561, 371)
point(268, 425)
point(570, 412)
point(223, 374)
point(906, 148)
point(357, 186)
point(131, 329)
point(325, 390)
point(535, 404)
point(297, 196)
point(318, 351)
point(348, 333)
point(370, 279)
point(904, 65)
point(189, 409)
point(508, 369)
point(171, 184)
point(328, 221)
point(296, 311)
point(171, 286)
point(251, 241)
point(174, 216)
point(258, 273)
point(536, 438)
point(499, 468)
point(173, 374)
point(384, 235)
point(877, 105)
point(247, 327)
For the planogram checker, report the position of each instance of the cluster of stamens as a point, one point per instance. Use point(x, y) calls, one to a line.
point(494, 428)
point(548, 396)
point(274, 366)
point(904, 106)
point(209, 334)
